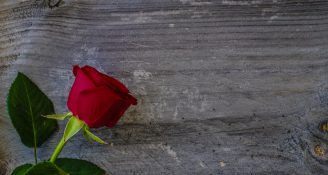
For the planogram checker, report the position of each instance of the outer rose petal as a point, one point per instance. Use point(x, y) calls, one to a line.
point(116, 117)
point(102, 79)
point(129, 98)
point(75, 69)
point(100, 107)
point(81, 83)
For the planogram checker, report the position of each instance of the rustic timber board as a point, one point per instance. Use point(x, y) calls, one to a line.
point(224, 86)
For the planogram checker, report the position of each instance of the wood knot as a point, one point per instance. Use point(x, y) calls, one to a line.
point(323, 126)
point(319, 151)
point(54, 3)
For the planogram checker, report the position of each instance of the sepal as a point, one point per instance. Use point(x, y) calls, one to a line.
point(59, 116)
point(89, 135)
point(74, 125)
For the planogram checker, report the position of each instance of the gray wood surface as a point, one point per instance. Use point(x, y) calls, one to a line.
point(224, 86)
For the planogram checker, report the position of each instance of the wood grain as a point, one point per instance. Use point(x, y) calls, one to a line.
point(224, 86)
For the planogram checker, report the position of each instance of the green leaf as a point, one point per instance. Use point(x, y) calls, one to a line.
point(87, 134)
point(73, 126)
point(58, 116)
point(26, 103)
point(79, 167)
point(45, 168)
point(61, 171)
point(21, 170)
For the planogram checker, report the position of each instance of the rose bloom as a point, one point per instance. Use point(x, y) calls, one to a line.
point(97, 99)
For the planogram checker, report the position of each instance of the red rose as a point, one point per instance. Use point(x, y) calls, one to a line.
point(97, 99)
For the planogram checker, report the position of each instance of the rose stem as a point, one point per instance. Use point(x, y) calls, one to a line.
point(58, 149)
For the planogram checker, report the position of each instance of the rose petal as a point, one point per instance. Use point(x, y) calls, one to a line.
point(81, 83)
point(130, 98)
point(75, 69)
point(111, 82)
point(103, 79)
point(119, 113)
point(94, 75)
point(100, 106)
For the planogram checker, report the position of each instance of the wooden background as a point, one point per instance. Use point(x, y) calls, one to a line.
point(224, 86)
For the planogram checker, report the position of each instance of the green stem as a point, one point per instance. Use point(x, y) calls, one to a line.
point(35, 156)
point(58, 149)
point(73, 126)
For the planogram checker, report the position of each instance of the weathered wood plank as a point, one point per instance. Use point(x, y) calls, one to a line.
point(224, 87)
